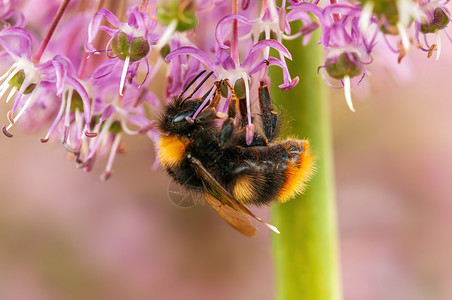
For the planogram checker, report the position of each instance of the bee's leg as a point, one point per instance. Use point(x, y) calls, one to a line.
point(269, 117)
point(227, 129)
point(243, 112)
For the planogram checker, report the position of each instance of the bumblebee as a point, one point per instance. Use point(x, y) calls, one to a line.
point(209, 155)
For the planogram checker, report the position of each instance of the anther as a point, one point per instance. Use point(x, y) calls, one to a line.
point(10, 117)
point(5, 132)
point(105, 176)
point(44, 140)
point(91, 134)
point(431, 50)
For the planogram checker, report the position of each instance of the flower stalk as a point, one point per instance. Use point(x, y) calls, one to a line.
point(306, 252)
point(235, 37)
point(37, 56)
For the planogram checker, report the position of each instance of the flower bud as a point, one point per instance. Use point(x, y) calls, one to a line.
point(17, 80)
point(165, 51)
point(224, 90)
point(440, 21)
point(240, 89)
point(347, 64)
point(115, 127)
point(139, 48)
point(76, 102)
point(120, 45)
point(387, 12)
point(263, 37)
point(181, 11)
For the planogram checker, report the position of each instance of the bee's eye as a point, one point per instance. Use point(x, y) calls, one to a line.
point(179, 118)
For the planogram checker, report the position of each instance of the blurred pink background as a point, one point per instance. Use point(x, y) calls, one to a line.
point(66, 235)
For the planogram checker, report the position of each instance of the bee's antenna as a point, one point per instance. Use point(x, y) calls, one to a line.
point(199, 86)
point(191, 82)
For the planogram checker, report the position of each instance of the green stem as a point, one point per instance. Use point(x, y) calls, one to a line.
point(306, 252)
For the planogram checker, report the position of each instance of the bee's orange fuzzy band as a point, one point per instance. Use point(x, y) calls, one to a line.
point(171, 149)
point(297, 175)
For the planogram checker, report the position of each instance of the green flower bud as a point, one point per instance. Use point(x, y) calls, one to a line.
point(17, 80)
point(224, 90)
point(165, 51)
point(76, 102)
point(182, 11)
point(139, 48)
point(386, 10)
point(439, 18)
point(272, 36)
point(120, 45)
point(239, 88)
point(115, 127)
point(343, 66)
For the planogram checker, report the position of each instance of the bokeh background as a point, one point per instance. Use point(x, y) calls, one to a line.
point(64, 234)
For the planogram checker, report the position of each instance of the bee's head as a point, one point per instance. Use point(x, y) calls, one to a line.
point(176, 117)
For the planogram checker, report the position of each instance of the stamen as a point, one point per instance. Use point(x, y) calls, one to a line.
point(99, 139)
point(5, 132)
point(5, 85)
point(11, 94)
point(24, 108)
point(431, 50)
point(347, 91)
point(438, 43)
point(249, 134)
point(65, 134)
point(123, 75)
point(10, 117)
point(366, 14)
point(167, 34)
point(111, 157)
point(68, 107)
point(248, 102)
point(403, 36)
point(56, 121)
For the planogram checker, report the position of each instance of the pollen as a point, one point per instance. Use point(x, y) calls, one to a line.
point(171, 150)
point(297, 175)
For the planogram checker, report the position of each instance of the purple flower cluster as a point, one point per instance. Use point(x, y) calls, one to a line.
point(88, 75)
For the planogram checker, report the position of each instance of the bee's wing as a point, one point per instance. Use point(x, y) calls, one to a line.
point(223, 196)
point(233, 217)
point(179, 196)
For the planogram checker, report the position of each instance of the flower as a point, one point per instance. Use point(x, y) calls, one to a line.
point(435, 18)
point(112, 117)
point(130, 42)
point(23, 78)
point(348, 50)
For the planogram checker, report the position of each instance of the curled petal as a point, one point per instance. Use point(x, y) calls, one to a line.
point(225, 60)
point(342, 8)
point(221, 29)
point(60, 73)
point(16, 15)
point(94, 26)
point(191, 51)
point(23, 39)
point(83, 94)
point(310, 8)
point(255, 51)
point(288, 83)
point(109, 110)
